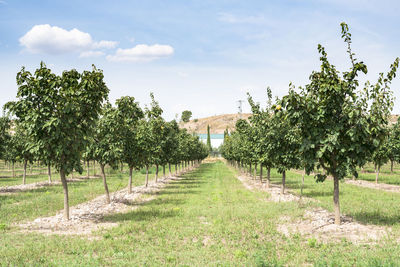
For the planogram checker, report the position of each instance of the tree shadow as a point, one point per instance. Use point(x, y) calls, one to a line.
point(141, 215)
point(183, 192)
point(375, 218)
point(317, 194)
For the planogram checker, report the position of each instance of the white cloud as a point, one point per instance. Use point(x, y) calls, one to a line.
point(105, 44)
point(91, 53)
point(48, 39)
point(141, 52)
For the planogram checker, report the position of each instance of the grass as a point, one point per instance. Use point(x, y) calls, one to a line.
point(369, 206)
point(48, 200)
point(39, 174)
point(385, 175)
point(206, 219)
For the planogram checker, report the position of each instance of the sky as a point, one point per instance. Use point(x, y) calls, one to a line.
point(202, 55)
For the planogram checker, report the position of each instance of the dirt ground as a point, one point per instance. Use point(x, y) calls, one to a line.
point(318, 223)
point(273, 190)
point(89, 216)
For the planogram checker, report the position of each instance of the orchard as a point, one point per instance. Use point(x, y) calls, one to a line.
point(86, 181)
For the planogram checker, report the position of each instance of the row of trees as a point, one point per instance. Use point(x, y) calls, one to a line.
point(66, 120)
point(329, 124)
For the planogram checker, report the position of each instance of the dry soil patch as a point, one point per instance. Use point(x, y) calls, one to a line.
point(273, 190)
point(319, 224)
point(89, 216)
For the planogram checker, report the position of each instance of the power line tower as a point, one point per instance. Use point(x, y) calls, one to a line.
point(240, 102)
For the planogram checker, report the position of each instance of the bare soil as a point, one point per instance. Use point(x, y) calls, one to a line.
point(318, 223)
point(89, 216)
point(273, 190)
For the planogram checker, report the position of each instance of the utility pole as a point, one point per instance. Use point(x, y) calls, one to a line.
point(240, 102)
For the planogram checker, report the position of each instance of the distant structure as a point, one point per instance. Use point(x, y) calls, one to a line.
point(240, 102)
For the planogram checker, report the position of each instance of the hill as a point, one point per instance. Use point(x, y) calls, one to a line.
point(219, 123)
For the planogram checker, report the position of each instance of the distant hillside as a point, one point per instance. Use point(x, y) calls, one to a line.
point(219, 123)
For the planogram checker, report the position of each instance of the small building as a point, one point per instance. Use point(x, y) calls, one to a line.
point(216, 139)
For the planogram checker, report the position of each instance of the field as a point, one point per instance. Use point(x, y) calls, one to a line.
point(205, 218)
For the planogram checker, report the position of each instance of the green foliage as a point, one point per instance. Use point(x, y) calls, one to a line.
point(186, 115)
point(129, 114)
point(107, 145)
point(209, 139)
point(339, 130)
point(4, 135)
point(58, 112)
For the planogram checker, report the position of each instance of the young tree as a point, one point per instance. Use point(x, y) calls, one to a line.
point(149, 133)
point(107, 147)
point(23, 148)
point(340, 127)
point(4, 134)
point(394, 144)
point(129, 115)
point(284, 143)
point(380, 157)
point(58, 112)
point(170, 144)
point(263, 127)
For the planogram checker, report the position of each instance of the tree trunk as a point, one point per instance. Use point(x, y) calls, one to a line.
point(87, 174)
point(156, 172)
point(391, 166)
point(147, 175)
point(94, 167)
point(122, 166)
point(13, 169)
point(176, 169)
point(283, 182)
point(24, 176)
point(255, 170)
point(302, 183)
point(169, 169)
point(105, 184)
point(49, 172)
point(250, 168)
point(65, 189)
point(377, 173)
point(268, 176)
point(130, 180)
point(163, 170)
point(261, 173)
point(336, 199)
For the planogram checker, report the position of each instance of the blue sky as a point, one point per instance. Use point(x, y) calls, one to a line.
point(197, 55)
